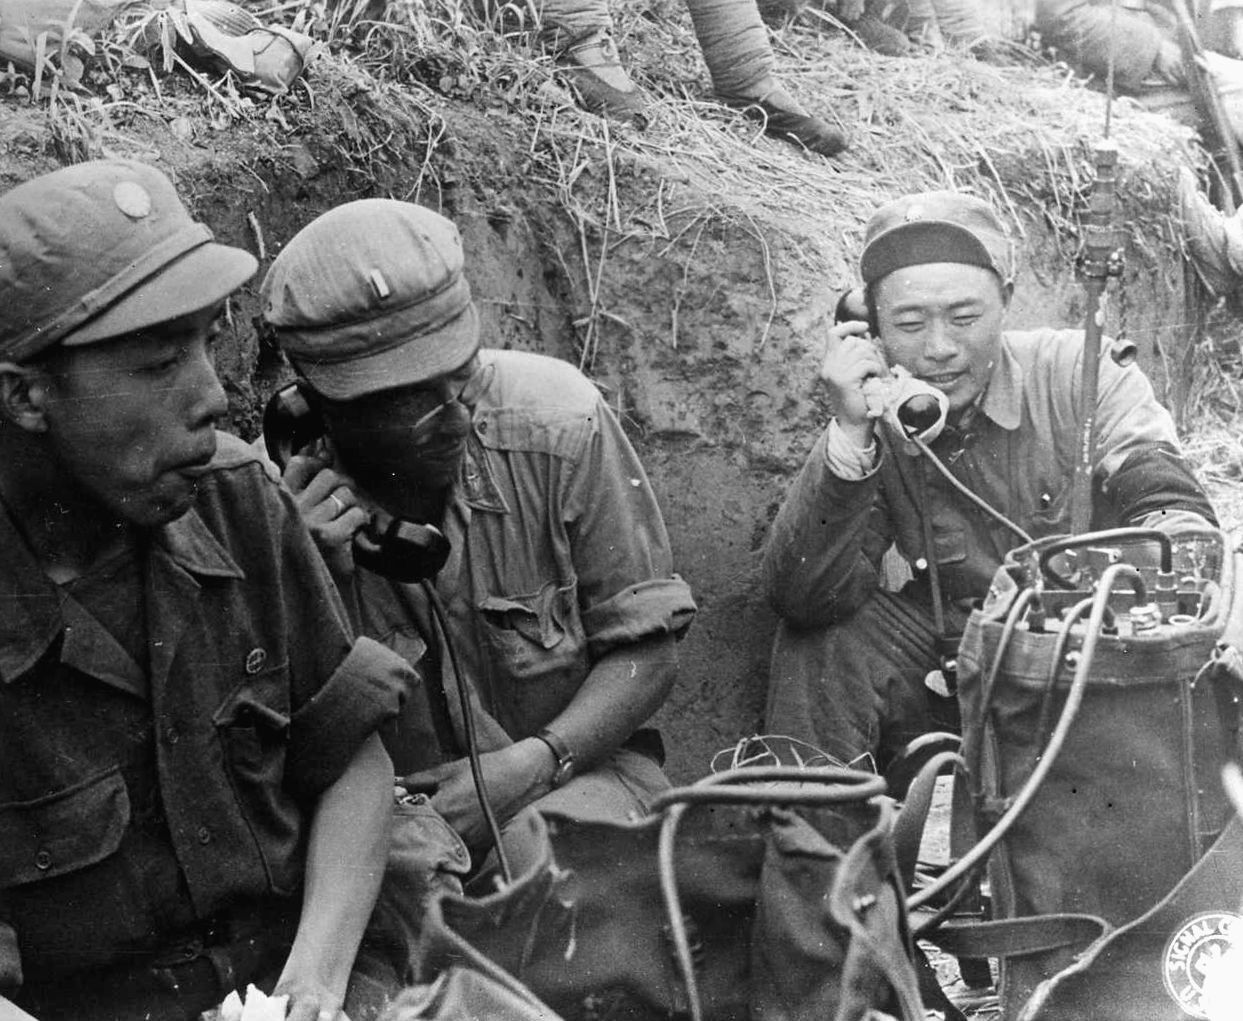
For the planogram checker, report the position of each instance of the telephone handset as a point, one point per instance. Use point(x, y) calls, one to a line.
point(405, 551)
point(913, 408)
point(854, 306)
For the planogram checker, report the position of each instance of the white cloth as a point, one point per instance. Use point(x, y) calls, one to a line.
point(845, 458)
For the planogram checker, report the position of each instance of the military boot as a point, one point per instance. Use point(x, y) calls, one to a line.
point(590, 64)
point(785, 118)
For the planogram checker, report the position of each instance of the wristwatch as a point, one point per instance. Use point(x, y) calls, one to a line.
point(562, 753)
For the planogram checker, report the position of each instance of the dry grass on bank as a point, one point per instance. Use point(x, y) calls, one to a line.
point(1214, 440)
point(1021, 132)
point(398, 73)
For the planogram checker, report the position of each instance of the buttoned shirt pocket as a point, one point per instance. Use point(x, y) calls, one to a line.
point(537, 640)
point(949, 540)
point(252, 724)
point(63, 832)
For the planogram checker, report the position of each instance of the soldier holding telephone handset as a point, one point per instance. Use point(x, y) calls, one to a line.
point(561, 606)
point(861, 671)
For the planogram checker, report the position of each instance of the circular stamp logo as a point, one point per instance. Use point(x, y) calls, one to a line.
point(1191, 955)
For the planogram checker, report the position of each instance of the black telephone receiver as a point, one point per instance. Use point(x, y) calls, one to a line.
point(853, 305)
point(405, 551)
point(920, 414)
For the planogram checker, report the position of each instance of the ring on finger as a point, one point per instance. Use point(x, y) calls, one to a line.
point(338, 503)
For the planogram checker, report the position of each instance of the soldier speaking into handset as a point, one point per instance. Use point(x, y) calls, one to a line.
point(852, 662)
point(561, 608)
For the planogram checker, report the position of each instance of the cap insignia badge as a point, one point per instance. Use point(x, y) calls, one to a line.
point(132, 199)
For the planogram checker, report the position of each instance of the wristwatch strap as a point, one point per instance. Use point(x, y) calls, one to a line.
point(562, 753)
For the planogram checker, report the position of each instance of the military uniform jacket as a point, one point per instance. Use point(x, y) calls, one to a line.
point(138, 800)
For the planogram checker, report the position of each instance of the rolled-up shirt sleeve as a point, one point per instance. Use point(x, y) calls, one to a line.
point(364, 692)
point(627, 590)
point(342, 688)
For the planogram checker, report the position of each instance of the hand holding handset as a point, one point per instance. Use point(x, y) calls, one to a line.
point(855, 362)
point(403, 550)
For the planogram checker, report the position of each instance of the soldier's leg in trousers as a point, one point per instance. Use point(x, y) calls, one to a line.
point(564, 20)
point(921, 23)
point(740, 61)
point(962, 21)
point(579, 33)
point(856, 688)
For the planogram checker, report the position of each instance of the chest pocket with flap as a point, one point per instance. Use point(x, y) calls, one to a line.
point(65, 831)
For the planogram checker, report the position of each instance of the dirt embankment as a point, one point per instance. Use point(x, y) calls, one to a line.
point(689, 269)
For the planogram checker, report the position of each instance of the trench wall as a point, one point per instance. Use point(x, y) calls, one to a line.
point(704, 332)
point(708, 347)
point(706, 338)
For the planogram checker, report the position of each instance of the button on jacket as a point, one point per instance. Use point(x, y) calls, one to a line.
point(137, 801)
point(1018, 454)
point(559, 551)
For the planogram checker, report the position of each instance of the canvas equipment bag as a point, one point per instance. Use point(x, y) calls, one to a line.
point(765, 892)
point(1129, 719)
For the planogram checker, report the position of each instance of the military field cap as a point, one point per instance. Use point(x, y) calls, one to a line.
point(371, 296)
point(101, 249)
point(935, 226)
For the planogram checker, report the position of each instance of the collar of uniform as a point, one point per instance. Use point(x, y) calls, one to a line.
point(1003, 401)
point(32, 618)
point(478, 485)
point(189, 543)
point(479, 488)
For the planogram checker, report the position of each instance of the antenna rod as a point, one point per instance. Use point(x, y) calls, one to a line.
point(1101, 259)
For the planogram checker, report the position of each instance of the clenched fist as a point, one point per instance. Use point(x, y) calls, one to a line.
point(852, 371)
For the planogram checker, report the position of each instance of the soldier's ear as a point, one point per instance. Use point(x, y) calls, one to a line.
point(24, 393)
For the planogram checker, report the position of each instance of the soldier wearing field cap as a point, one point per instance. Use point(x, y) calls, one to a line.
point(192, 793)
point(857, 669)
point(561, 601)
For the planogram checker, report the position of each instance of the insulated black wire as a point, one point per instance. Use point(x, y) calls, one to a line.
point(836, 785)
point(1013, 616)
point(987, 508)
point(1100, 606)
point(1021, 601)
point(922, 926)
point(468, 726)
point(1003, 645)
point(1055, 665)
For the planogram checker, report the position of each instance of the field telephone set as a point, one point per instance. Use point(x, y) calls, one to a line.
point(913, 408)
point(402, 550)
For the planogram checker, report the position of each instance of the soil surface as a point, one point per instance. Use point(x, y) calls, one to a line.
point(689, 269)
